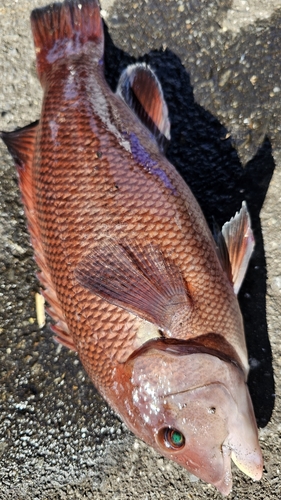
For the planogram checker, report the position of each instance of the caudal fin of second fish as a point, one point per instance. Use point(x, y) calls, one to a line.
point(65, 30)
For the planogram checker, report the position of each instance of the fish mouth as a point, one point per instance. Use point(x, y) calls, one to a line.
point(243, 438)
point(224, 485)
point(252, 467)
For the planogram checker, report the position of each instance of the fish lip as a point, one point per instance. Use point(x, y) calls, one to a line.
point(254, 473)
point(252, 465)
point(224, 485)
point(245, 450)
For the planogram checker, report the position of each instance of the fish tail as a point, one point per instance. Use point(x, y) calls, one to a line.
point(63, 30)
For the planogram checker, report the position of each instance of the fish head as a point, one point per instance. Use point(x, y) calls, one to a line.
point(196, 410)
point(204, 429)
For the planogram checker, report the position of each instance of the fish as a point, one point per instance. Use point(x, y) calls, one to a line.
point(134, 279)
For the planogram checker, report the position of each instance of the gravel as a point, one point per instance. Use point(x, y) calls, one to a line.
point(219, 64)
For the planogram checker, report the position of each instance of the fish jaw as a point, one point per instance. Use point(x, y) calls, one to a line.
point(243, 439)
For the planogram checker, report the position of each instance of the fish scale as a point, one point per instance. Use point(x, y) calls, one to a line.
point(135, 281)
point(89, 194)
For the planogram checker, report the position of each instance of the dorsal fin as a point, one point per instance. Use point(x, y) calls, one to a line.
point(21, 145)
point(63, 29)
point(140, 88)
point(235, 246)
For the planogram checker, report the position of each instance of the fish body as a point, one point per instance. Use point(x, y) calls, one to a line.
point(131, 271)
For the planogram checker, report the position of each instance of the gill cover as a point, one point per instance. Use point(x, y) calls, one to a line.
point(196, 410)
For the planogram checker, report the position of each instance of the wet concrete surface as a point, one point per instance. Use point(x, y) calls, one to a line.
point(220, 71)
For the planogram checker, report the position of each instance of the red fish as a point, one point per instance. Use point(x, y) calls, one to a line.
point(133, 277)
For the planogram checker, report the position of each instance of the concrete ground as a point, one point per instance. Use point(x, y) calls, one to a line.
point(219, 64)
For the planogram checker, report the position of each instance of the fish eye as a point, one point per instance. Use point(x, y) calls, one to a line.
point(171, 438)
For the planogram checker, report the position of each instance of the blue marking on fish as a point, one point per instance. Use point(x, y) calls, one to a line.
point(152, 166)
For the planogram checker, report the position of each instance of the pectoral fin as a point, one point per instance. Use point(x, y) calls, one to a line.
point(140, 280)
point(235, 245)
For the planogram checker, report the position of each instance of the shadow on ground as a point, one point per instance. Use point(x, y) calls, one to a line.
point(203, 153)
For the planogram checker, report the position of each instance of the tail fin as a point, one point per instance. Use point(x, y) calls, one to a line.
point(62, 30)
